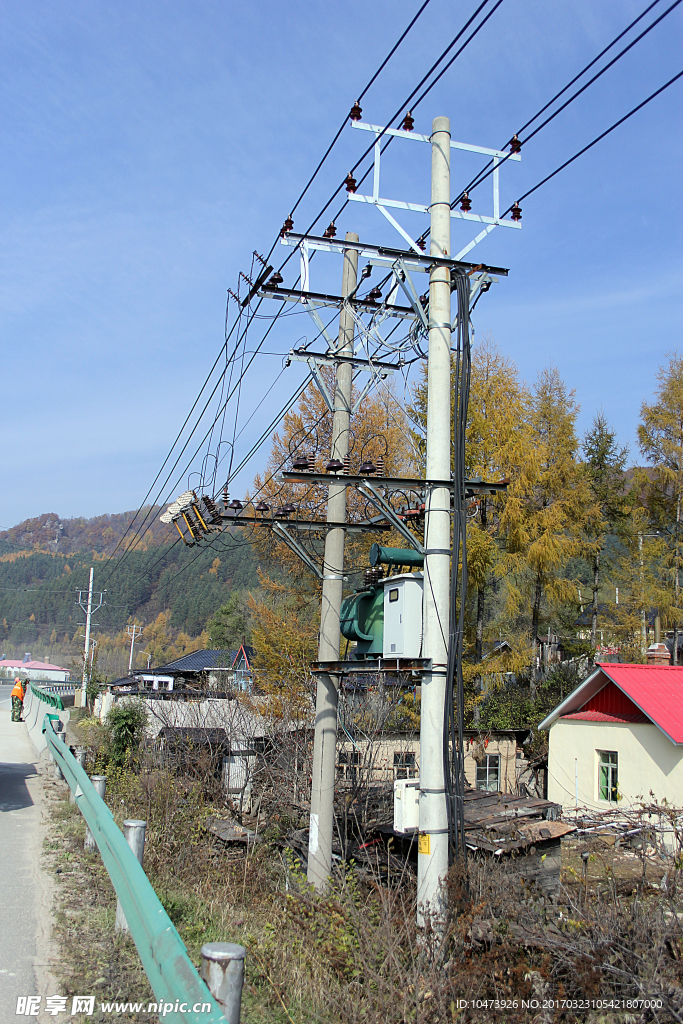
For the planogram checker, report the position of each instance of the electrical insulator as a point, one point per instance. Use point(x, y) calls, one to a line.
point(262, 507)
point(421, 244)
point(515, 145)
point(367, 468)
point(367, 270)
point(225, 497)
point(350, 183)
point(300, 463)
point(330, 231)
point(356, 111)
point(374, 295)
point(286, 227)
point(275, 280)
point(424, 299)
point(333, 466)
point(516, 211)
point(347, 465)
point(236, 505)
point(466, 204)
point(380, 466)
point(311, 462)
point(408, 123)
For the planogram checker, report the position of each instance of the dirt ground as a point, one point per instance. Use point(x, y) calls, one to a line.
point(89, 959)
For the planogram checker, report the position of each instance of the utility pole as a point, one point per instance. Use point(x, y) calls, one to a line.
point(133, 637)
point(88, 609)
point(327, 697)
point(432, 861)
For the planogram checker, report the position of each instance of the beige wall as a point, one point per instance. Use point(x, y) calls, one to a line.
point(647, 760)
point(377, 756)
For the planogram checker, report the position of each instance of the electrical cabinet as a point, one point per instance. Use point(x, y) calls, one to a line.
point(403, 616)
point(406, 805)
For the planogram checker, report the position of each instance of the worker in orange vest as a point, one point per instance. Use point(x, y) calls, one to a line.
point(17, 699)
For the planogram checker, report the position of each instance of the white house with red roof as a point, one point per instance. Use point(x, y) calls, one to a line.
point(617, 737)
point(35, 670)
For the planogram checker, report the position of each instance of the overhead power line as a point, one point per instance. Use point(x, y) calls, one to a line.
point(599, 138)
point(489, 167)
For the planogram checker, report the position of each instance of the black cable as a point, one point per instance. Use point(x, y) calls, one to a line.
point(488, 169)
point(453, 734)
point(598, 138)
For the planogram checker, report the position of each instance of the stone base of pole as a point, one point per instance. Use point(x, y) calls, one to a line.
point(223, 971)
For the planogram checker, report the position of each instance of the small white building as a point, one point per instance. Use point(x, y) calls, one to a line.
point(617, 738)
point(36, 671)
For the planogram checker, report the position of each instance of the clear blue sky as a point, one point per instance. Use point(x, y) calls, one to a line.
point(148, 148)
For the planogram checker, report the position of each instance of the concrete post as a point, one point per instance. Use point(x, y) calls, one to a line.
point(58, 773)
point(325, 740)
point(86, 649)
point(432, 861)
point(100, 784)
point(79, 754)
point(223, 971)
point(134, 833)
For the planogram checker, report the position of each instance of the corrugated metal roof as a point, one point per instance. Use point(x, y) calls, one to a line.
point(633, 717)
point(655, 690)
point(35, 665)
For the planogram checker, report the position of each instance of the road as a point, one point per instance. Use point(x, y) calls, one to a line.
point(24, 894)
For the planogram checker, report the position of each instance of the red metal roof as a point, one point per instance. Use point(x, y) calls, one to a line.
point(35, 665)
point(634, 717)
point(656, 690)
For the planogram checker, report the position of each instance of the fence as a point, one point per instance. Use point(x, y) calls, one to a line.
point(174, 980)
point(53, 699)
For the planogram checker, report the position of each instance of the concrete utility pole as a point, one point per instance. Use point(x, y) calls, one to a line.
point(86, 647)
point(325, 741)
point(432, 861)
point(133, 637)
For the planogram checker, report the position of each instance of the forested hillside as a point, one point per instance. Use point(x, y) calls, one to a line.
point(38, 592)
point(99, 535)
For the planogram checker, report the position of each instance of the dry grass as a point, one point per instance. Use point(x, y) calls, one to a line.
point(354, 955)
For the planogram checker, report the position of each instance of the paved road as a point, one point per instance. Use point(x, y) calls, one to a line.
point(22, 912)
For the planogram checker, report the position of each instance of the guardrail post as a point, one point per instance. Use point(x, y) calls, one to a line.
point(58, 773)
point(134, 833)
point(100, 784)
point(223, 971)
point(80, 757)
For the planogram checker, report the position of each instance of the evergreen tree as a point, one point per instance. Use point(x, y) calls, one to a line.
point(604, 466)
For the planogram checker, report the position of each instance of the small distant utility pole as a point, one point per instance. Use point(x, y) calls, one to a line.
point(88, 609)
point(327, 697)
point(133, 637)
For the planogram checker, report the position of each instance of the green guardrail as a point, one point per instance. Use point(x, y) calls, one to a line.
point(172, 975)
point(53, 699)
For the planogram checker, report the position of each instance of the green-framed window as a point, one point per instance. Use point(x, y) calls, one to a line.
point(608, 775)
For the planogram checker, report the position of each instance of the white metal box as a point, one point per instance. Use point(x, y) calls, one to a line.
point(406, 805)
point(403, 616)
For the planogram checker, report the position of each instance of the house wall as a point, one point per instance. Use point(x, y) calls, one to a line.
point(377, 756)
point(647, 760)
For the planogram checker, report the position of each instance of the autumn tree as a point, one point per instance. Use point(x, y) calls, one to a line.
point(660, 439)
point(228, 627)
point(609, 507)
point(546, 502)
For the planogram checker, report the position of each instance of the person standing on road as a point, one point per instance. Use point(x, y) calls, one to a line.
point(17, 699)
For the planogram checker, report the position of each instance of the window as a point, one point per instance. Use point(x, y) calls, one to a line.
point(349, 761)
point(608, 780)
point(404, 764)
point(488, 773)
point(393, 594)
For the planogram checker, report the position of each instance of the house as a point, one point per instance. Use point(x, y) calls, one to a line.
point(33, 670)
point(617, 738)
point(492, 760)
point(222, 671)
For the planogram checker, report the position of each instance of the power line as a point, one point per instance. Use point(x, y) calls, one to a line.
point(489, 168)
point(599, 138)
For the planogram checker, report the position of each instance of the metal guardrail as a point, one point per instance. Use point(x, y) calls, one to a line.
point(172, 975)
point(54, 700)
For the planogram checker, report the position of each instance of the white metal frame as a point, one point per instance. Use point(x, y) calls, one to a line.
point(382, 204)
